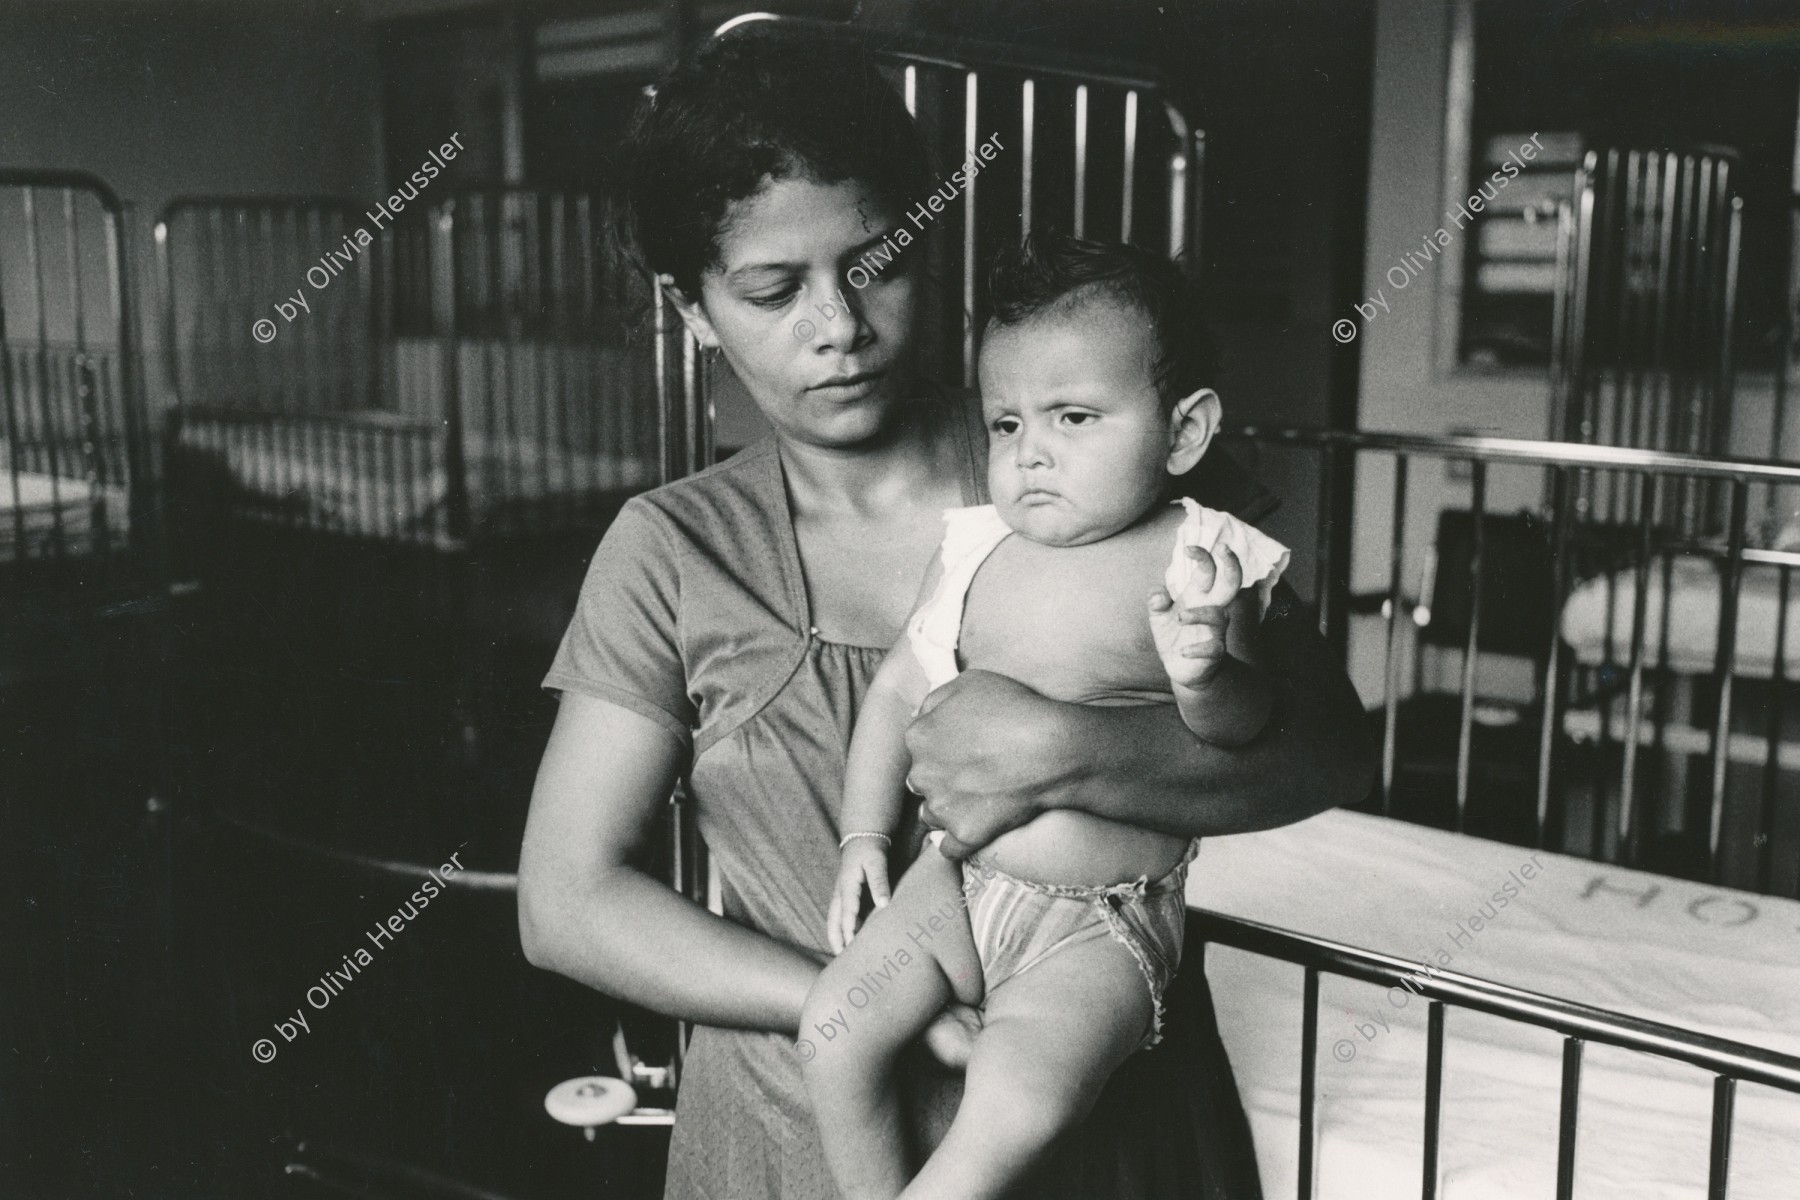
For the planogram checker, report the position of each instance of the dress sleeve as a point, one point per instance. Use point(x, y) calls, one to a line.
point(1262, 557)
point(623, 644)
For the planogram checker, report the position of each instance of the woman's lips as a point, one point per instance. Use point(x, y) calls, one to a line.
point(850, 387)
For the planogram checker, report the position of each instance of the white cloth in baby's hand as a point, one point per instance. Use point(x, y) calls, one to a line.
point(1261, 556)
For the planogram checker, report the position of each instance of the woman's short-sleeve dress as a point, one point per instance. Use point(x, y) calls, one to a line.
point(694, 613)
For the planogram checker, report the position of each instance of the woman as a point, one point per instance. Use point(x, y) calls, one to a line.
point(730, 622)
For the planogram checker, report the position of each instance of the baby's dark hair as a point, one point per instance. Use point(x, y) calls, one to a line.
point(1053, 273)
point(742, 108)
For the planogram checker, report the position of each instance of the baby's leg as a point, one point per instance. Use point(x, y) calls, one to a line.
point(908, 960)
point(1050, 1039)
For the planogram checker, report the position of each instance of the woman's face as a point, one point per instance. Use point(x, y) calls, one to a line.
point(828, 363)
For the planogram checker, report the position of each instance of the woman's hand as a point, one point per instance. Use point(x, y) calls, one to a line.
point(988, 754)
point(863, 864)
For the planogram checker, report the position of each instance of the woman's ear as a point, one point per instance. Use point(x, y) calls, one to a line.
point(1192, 424)
point(692, 315)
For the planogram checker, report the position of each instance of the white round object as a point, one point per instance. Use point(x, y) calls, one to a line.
point(590, 1100)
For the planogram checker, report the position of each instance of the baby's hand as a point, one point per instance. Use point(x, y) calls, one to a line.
point(1190, 629)
point(864, 861)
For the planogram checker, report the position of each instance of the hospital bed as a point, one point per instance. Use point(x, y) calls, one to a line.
point(1597, 1032)
point(464, 377)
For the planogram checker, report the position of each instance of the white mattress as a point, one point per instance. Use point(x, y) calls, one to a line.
point(57, 515)
point(1693, 618)
point(378, 474)
point(1720, 962)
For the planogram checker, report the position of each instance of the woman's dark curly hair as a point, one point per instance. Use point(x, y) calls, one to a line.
point(1051, 272)
point(746, 107)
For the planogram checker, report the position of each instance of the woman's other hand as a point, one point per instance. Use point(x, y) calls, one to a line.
point(862, 864)
point(987, 752)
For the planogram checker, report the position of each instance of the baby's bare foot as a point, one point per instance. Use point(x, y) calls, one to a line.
point(951, 1035)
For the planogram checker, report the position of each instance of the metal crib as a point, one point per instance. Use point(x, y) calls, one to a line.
point(77, 507)
point(456, 375)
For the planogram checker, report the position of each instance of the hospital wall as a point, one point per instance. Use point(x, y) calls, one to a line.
point(168, 100)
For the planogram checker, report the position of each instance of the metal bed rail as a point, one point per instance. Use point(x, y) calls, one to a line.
point(1630, 689)
point(1580, 1025)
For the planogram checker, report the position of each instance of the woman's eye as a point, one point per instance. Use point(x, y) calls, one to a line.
point(772, 299)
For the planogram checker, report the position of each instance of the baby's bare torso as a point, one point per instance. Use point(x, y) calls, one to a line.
point(1072, 623)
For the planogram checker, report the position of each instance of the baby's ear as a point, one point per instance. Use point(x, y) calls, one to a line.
point(1192, 424)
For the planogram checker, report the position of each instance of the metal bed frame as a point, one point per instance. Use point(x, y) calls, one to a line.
point(454, 371)
point(71, 404)
point(1641, 680)
point(1644, 306)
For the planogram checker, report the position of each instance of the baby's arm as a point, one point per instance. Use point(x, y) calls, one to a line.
point(875, 780)
point(1211, 655)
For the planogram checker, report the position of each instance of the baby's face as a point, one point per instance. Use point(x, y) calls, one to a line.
point(1078, 440)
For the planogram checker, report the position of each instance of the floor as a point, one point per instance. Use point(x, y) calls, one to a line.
point(153, 934)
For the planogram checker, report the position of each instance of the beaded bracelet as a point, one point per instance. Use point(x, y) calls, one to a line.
point(848, 837)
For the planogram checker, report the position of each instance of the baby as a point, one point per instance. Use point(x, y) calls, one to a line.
point(1067, 930)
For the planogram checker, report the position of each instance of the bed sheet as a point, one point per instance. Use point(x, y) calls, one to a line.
point(380, 474)
point(1693, 618)
point(1718, 961)
point(37, 510)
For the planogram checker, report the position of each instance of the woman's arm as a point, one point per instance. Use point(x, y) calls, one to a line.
point(587, 910)
point(990, 754)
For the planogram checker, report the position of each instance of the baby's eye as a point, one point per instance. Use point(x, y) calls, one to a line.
point(1078, 419)
point(1004, 426)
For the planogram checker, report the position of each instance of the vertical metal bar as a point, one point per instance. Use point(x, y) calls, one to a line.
point(665, 399)
point(47, 430)
point(1718, 1172)
point(1730, 586)
point(1390, 703)
point(1434, 1098)
point(1465, 736)
point(1568, 1120)
point(1197, 228)
point(1647, 498)
point(447, 324)
point(1309, 1079)
point(1127, 200)
point(1765, 860)
point(1323, 597)
point(1178, 205)
point(1561, 497)
point(1027, 150)
point(1559, 322)
point(971, 106)
point(1081, 151)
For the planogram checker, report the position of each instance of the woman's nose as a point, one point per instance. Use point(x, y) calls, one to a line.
point(840, 322)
